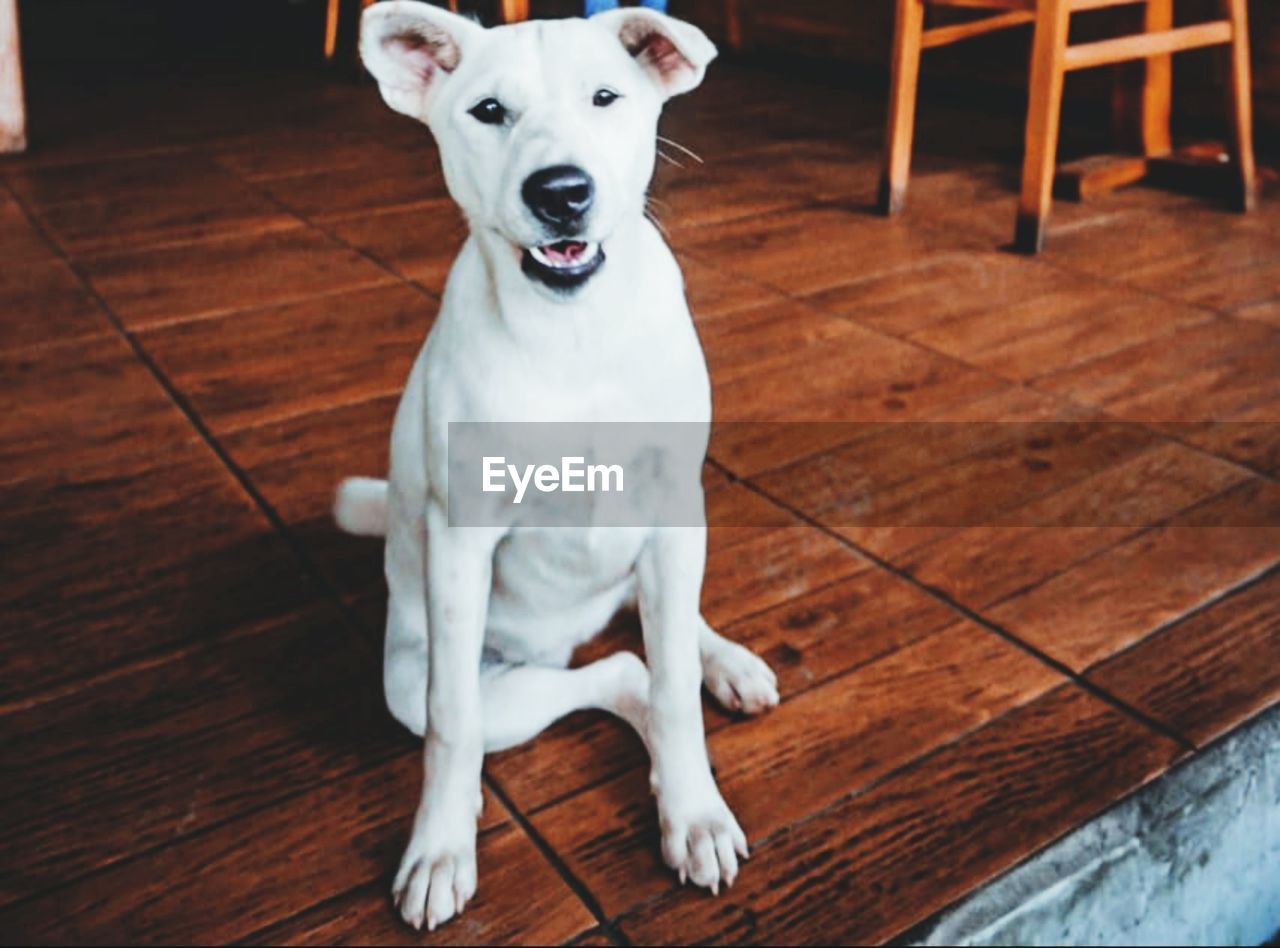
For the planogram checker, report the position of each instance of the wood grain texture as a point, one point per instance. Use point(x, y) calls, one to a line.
point(778, 249)
point(418, 242)
point(376, 178)
point(521, 901)
point(687, 192)
point(213, 277)
point(43, 301)
point(874, 863)
point(297, 463)
point(981, 565)
point(182, 743)
point(901, 486)
point(80, 407)
point(143, 202)
point(857, 728)
point(304, 852)
point(1223, 370)
point(262, 365)
point(1111, 600)
point(87, 589)
point(808, 640)
point(19, 240)
point(1209, 672)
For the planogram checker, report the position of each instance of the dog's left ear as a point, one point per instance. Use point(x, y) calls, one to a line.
point(675, 54)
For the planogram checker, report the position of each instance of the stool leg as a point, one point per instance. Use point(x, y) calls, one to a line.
point(902, 105)
point(1044, 109)
point(331, 29)
point(515, 11)
point(1241, 106)
point(1157, 86)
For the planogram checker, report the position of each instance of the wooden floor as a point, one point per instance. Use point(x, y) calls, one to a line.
point(213, 289)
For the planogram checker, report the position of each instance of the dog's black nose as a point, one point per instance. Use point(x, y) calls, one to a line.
point(559, 196)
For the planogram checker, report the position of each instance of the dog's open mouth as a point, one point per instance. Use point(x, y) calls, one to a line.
point(565, 264)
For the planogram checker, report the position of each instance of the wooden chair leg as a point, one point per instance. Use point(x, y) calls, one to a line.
point(331, 28)
point(515, 11)
point(1241, 105)
point(1044, 109)
point(902, 105)
point(1157, 85)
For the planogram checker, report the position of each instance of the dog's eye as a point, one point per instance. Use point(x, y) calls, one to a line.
point(489, 111)
point(604, 98)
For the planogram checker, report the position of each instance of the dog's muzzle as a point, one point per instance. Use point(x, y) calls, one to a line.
point(564, 265)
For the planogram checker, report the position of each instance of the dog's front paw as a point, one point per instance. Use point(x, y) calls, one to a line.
point(437, 875)
point(701, 839)
point(739, 679)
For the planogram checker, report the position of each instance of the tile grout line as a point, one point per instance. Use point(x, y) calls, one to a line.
point(180, 401)
point(548, 852)
point(908, 765)
point(310, 222)
point(995, 629)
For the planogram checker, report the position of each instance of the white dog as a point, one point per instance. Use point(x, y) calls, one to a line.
point(564, 304)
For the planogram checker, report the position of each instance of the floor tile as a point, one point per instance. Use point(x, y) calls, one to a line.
point(726, 187)
point(857, 728)
point(258, 366)
point(19, 240)
point(875, 863)
point(84, 406)
point(171, 748)
point(1222, 370)
point(902, 485)
point(306, 851)
point(808, 640)
point(521, 900)
point(297, 464)
point(1107, 602)
point(418, 242)
point(807, 251)
point(209, 278)
point(980, 565)
point(1201, 254)
point(44, 301)
point(107, 568)
point(141, 202)
point(1209, 672)
point(382, 177)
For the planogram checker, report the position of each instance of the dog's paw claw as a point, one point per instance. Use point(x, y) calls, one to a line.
point(739, 679)
point(435, 881)
point(703, 848)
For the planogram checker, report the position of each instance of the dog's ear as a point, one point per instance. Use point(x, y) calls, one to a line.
point(411, 48)
point(675, 54)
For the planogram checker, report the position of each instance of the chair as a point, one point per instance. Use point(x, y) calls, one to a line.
point(1051, 58)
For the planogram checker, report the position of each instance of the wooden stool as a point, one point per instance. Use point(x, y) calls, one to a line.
point(1051, 59)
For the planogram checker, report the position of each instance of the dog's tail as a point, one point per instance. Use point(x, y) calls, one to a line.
point(360, 506)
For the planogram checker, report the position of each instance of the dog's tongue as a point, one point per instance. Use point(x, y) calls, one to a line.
point(565, 252)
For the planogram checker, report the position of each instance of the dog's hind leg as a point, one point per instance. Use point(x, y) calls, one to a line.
point(521, 701)
point(739, 679)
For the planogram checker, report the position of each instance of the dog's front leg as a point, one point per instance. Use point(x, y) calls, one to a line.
point(701, 839)
point(438, 872)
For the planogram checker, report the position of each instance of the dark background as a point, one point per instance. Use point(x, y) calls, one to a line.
point(94, 40)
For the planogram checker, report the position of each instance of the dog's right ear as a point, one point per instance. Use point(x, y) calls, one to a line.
point(411, 48)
